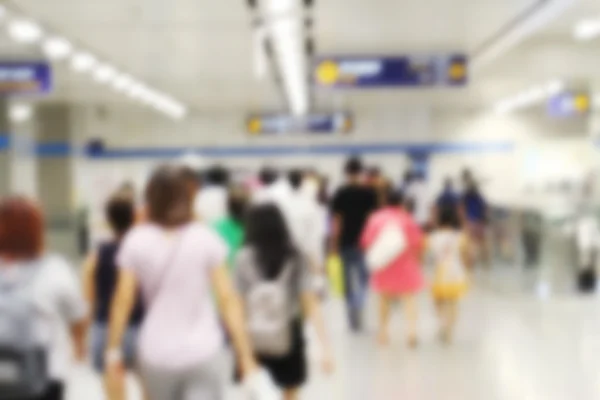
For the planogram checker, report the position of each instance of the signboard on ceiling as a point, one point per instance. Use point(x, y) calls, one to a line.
point(24, 77)
point(282, 124)
point(391, 71)
point(569, 104)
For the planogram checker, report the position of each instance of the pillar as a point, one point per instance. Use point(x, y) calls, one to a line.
point(55, 177)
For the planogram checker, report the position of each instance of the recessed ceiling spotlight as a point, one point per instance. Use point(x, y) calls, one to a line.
point(57, 48)
point(83, 62)
point(587, 29)
point(123, 83)
point(19, 113)
point(104, 73)
point(25, 31)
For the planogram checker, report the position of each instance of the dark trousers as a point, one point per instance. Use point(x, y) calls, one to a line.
point(356, 281)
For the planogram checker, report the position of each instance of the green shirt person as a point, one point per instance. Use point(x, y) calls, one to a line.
point(231, 228)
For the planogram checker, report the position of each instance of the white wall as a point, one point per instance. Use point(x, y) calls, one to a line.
point(503, 172)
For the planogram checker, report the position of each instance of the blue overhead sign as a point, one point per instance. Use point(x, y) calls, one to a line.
point(25, 77)
point(569, 104)
point(393, 71)
point(281, 124)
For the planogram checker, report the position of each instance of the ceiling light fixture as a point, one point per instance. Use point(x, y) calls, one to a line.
point(57, 48)
point(19, 113)
point(83, 62)
point(25, 31)
point(289, 49)
point(104, 73)
point(529, 97)
point(532, 20)
point(122, 83)
point(587, 29)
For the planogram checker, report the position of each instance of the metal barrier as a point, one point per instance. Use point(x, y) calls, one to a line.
point(531, 252)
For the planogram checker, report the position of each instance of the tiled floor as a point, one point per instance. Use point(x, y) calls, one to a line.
point(507, 348)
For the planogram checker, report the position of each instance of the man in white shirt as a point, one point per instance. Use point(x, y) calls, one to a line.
point(211, 201)
point(301, 214)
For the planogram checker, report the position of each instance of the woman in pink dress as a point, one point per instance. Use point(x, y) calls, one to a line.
point(403, 278)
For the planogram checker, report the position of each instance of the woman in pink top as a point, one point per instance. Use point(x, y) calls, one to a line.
point(402, 279)
point(178, 264)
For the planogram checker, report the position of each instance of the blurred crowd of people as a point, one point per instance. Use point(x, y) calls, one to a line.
point(204, 264)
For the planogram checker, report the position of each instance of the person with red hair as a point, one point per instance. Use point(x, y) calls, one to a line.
point(47, 285)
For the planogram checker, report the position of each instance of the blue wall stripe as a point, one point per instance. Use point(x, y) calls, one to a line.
point(54, 149)
point(265, 151)
point(4, 142)
point(62, 149)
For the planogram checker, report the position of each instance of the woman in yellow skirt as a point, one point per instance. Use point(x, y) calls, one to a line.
point(449, 249)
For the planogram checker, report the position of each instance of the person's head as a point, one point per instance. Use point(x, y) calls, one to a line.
point(237, 204)
point(168, 199)
point(267, 234)
point(120, 214)
point(126, 190)
point(394, 198)
point(267, 176)
point(192, 179)
point(448, 185)
point(448, 217)
point(354, 168)
point(408, 176)
point(295, 178)
point(217, 176)
point(21, 229)
point(373, 176)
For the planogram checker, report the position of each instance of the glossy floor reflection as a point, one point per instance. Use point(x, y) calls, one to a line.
point(507, 348)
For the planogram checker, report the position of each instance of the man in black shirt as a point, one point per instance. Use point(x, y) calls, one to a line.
point(351, 207)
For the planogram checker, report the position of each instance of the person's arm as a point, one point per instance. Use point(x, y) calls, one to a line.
point(336, 223)
point(72, 306)
point(231, 309)
point(121, 309)
point(465, 252)
point(312, 311)
point(89, 289)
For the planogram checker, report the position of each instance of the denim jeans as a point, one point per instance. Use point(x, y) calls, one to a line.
point(356, 282)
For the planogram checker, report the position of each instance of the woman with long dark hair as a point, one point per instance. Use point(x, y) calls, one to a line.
point(276, 285)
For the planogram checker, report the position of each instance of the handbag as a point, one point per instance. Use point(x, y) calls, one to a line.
point(389, 245)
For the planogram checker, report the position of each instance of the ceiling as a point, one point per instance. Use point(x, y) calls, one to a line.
point(201, 51)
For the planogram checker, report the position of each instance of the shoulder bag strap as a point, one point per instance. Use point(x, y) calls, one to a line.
point(166, 266)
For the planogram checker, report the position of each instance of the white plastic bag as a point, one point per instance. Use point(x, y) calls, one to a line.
point(389, 244)
point(260, 386)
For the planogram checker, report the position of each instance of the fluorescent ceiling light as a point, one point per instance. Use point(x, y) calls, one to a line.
point(288, 41)
point(587, 29)
point(104, 73)
point(123, 83)
point(19, 113)
point(537, 17)
point(57, 48)
point(555, 87)
point(83, 62)
point(529, 97)
point(25, 31)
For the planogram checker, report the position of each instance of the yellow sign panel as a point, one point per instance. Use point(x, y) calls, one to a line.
point(328, 72)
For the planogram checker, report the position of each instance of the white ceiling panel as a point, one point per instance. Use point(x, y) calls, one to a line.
point(200, 51)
